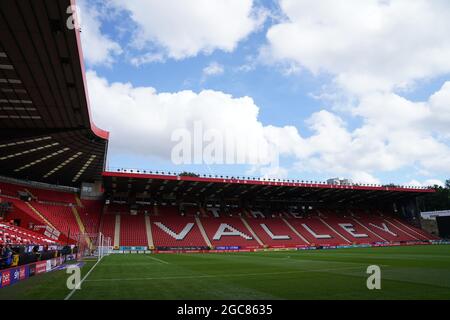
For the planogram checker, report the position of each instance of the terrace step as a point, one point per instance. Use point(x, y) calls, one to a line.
point(40, 215)
point(148, 228)
point(339, 234)
point(396, 227)
point(81, 226)
point(31, 194)
point(410, 229)
point(295, 231)
point(78, 201)
point(117, 231)
point(378, 236)
point(252, 232)
point(203, 232)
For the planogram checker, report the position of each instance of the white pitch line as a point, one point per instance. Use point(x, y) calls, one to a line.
point(159, 260)
point(226, 275)
point(82, 280)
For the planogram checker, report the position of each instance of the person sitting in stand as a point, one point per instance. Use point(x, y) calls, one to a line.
point(7, 256)
point(2, 254)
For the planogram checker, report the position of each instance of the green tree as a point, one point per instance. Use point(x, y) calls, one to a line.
point(439, 200)
point(188, 174)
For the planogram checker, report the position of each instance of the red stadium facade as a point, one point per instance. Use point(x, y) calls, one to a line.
point(173, 213)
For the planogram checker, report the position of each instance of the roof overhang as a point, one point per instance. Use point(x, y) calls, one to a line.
point(157, 186)
point(46, 128)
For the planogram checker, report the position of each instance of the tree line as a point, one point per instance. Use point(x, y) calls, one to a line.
point(440, 200)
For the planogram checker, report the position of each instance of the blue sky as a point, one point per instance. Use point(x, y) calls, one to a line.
point(334, 88)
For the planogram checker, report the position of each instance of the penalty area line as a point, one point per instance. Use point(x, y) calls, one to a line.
point(159, 260)
point(82, 280)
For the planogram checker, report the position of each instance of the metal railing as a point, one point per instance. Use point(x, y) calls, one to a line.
point(309, 182)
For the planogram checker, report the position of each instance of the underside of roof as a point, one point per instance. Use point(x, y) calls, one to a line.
point(173, 188)
point(46, 130)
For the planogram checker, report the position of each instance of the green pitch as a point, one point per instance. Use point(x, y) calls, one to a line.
point(406, 273)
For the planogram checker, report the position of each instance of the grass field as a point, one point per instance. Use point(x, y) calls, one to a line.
point(421, 272)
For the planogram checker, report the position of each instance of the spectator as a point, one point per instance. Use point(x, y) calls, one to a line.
point(8, 254)
point(2, 254)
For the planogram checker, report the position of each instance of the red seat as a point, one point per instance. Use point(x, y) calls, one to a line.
point(170, 222)
point(274, 232)
point(61, 217)
point(108, 226)
point(244, 240)
point(14, 235)
point(132, 230)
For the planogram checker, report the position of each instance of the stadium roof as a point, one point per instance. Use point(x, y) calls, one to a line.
point(159, 186)
point(46, 130)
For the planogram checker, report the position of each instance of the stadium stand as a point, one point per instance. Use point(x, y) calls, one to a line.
point(228, 231)
point(316, 231)
point(410, 230)
point(51, 195)
point(175, 228)
point(350, 229)
point(20, 215)
point(61, 217)
point(274, 232)
point(13, 190)
point(108, 226)
point(55, 212)
point(23, 212)
point(90, 214)
point(170, 229)
point(10, 234)
point(132, 230)
point(10, 189)
point(381, 227)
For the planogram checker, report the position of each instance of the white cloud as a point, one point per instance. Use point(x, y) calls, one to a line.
point(213, 69)
point(142, 121)
point(395, 134)
point(366, 45)
point(427, 183)
point(440, 108)
point(370, 49)
point(364, 177)
point(98, 48)
point(186, 28)
point(245, 68)
point(403, 134)
point(147, 58)
point(274, 172)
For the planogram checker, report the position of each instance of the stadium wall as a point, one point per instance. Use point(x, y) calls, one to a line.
point(430, 226)
point(14, 275)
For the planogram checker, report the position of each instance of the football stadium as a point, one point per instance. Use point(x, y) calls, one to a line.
point(72, 228)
